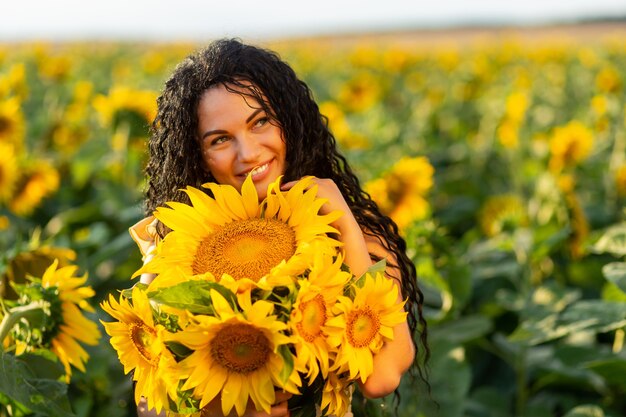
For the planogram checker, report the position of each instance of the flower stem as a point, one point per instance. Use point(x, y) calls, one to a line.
point(618, 343)
point(522, 389)
point(16, 314)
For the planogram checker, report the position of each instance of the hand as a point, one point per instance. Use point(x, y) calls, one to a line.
point(327, 189)
point(356, 255)
point(279, 408)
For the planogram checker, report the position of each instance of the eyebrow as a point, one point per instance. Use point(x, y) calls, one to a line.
point(220, 131)
point(253, 115)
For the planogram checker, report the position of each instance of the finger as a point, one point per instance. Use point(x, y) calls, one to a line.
point(286, 186)
point(280, 410)
point(316, 181)
point(282, 396)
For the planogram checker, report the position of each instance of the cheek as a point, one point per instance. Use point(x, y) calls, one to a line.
point(281, 145)
point(214, 164)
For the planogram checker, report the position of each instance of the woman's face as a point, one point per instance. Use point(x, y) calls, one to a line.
point(237, 139)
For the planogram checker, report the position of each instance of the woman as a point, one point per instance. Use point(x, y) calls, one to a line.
point(233, 110)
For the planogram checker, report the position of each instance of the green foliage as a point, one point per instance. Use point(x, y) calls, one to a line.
point(526, 308)
point(194, 296)
point(30, 385)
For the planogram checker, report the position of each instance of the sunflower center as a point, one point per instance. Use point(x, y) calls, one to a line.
point(313, 318)
point(396, 190)
point(240, 348)
point(362, 326)
point(245, 249)
point(142, 337)
point(5, 124)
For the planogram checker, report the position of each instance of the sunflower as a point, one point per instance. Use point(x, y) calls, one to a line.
point(68, 297)
point(401, 192)
point(40, 180)
point(4, 225)
point(501, 213)
point(237, 354)
point(308, 321)
point(13, 82)
point(338, 124)
point(315, 298)
point(123, 105)
point(326, 272)
point(139, 346)
point(577, 219)
point(361, 92)
point(336, 395)
point(570, 145)
point(12, 122)
point(238, 240)
point(516, 106)
point(363, 324)
point(608, 80)
point(8, 171)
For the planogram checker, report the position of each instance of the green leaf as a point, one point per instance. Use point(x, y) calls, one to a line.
point(311, 394)
point(288, 366)
point(611, 292)
point(613, 241)
point(45, 396)
point(458, 277)
point(378, 267)
point(547, 240)
point(555, 373)
point(43, 367)
point(589, 315)
point(596, 315)
point(128, 292)
point(178, 349)
point(461, 330)
point(489, 401)
point(537, 330)
point(612, 370)
point(194, 296)
point(615, 272)
point(585, 411)
point(450, 381)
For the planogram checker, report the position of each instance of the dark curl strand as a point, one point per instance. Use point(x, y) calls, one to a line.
point(175, 159)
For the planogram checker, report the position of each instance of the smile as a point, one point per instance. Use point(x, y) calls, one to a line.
point(260, 169)
point(258, 172)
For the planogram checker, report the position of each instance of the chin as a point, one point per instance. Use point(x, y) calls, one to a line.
point(261, 192)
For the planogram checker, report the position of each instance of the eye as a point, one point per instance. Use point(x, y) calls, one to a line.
point(218, 140)
point(261, 121)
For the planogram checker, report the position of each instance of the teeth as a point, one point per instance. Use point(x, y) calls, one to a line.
point(258, 170)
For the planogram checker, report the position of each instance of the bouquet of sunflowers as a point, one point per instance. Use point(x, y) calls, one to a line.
point(250, 298)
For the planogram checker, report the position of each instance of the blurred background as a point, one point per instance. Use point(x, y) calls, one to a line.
point(492, 132)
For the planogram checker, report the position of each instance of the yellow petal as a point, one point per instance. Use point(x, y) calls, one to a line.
point(250, 197)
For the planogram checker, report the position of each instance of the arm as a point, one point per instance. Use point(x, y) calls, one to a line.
point(148, 278)
point(397, 355)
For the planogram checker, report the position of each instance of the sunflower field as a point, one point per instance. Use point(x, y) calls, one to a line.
point(502, 161)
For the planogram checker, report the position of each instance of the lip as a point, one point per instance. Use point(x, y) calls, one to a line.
point(259, 176)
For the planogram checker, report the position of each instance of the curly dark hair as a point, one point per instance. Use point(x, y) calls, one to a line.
point(175, 159)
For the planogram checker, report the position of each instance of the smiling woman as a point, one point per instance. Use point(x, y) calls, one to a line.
point(237, 138)
point(236, 121)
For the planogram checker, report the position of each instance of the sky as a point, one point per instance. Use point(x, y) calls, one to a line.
point(267, 19)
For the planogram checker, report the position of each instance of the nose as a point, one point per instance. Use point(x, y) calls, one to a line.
point(249, 149)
